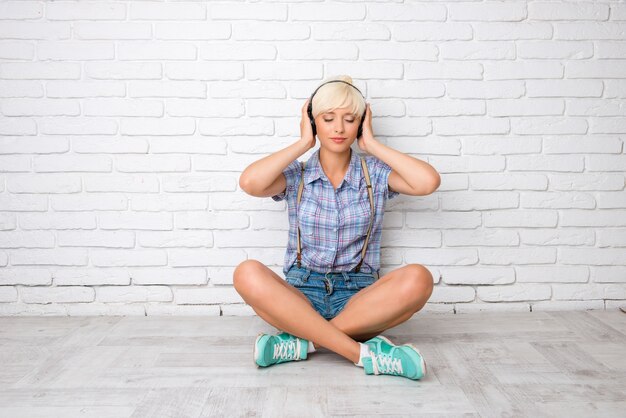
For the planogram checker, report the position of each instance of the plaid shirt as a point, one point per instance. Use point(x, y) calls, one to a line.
point(333, 223)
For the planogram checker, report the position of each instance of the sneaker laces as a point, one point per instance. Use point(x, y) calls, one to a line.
point(385, 363)
point(287, 350)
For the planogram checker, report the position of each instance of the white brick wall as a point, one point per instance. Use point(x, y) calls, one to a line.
point(124, 127)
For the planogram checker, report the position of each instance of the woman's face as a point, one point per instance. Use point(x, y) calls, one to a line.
point(338, 123)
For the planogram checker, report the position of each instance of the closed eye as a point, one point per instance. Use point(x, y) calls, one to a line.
point(330, 120)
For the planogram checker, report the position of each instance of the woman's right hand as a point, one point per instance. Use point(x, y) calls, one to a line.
point(306, 130)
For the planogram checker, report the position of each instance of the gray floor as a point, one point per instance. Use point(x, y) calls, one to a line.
point(480, 364)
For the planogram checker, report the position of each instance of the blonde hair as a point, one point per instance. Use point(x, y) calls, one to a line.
point(338, 95)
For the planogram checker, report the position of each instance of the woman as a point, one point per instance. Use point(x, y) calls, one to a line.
point(333, 296)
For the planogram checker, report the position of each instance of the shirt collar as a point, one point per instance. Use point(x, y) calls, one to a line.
point(313, 170)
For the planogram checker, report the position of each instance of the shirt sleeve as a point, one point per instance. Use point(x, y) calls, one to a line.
point(384, 170)
point(292, 176)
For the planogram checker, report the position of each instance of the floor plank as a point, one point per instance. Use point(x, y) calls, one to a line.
point(480, 364)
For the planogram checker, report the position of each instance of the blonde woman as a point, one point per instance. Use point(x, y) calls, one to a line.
point(333, 295)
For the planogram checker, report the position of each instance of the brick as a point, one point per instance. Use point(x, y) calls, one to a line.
point(514, 293)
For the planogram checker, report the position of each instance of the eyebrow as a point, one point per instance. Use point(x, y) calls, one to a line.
point(347, 113)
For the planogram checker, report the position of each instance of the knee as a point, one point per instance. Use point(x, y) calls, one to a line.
point(418, 283)
point(245, 274)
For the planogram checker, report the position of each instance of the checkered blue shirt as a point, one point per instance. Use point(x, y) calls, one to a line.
point(333, 223)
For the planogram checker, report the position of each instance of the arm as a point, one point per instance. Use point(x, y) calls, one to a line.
point(409, 175)
point(265, 177)
point(262, 177)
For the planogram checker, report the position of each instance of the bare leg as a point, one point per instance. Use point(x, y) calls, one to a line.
point(277, 304)
point(369, 312)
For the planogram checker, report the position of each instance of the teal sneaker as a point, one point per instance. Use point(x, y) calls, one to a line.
point(379, 340)
point(376, 342)
point(387, 358)
point(280, 348)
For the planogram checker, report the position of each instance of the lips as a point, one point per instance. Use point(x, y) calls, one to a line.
point(338, 140)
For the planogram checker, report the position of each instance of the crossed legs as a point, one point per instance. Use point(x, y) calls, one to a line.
point(388, 302)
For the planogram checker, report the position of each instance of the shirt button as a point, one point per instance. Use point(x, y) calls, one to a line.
point(335, 229)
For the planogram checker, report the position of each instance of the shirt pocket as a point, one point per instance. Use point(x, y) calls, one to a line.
point(308, 216)
point(358, 214)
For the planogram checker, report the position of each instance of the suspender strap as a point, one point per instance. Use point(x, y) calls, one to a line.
point(300, 187)
point(369, 228)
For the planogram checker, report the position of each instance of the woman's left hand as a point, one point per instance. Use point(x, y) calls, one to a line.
point(367, 136)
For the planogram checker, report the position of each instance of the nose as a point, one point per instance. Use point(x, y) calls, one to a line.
point(339, 127)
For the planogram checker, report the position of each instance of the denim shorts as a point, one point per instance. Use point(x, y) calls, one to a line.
point(329, 292)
